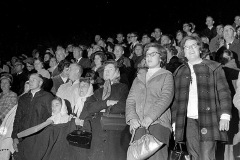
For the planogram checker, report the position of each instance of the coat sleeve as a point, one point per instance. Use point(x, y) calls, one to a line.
point(17, 119)
point(164, 99)
point(120, 107)
point(223, 91)
point(47, 111)
point(236, 98)
point(92, 105)
point(131, 104)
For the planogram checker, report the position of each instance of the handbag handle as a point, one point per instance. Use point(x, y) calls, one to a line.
point(109, 109)
point(133, 134)
point(78, 127)
point(180, 146)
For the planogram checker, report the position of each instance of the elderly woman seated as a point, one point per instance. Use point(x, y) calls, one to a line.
point(107, 144)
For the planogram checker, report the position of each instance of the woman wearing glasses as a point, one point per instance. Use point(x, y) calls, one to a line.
point(202, 104)
point(148, 102)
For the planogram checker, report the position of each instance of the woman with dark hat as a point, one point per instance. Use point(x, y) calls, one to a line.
point(107, 144)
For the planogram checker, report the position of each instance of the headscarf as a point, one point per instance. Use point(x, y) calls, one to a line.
point(81, 100)
point(62, 116)
point(107, 84)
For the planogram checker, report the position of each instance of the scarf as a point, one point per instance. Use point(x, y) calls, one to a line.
point(62, 116)
point(107, 85)
point(81, 100)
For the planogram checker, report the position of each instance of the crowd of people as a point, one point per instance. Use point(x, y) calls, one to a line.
point(183, 88)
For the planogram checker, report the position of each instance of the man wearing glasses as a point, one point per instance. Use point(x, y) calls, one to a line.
point(202, 104)
point(19, 78)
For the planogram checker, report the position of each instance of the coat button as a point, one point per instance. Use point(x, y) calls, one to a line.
point(204, 131)
point(208, 108)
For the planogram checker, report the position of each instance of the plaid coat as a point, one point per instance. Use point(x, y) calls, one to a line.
point(214, 99)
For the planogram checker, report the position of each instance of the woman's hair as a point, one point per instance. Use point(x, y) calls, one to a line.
point(58, 99)
point(182, 32)
point(197, 39)
point(102, 55)
point(39, 58)
point(85, 79)
point(5, 75)
point(138, 44)
point(115, 64)
point(64, 63)
point(161, 51)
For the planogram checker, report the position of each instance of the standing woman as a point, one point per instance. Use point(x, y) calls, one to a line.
point(147, 105)
point(107, 144)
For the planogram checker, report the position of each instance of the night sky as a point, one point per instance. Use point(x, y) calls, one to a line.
point(25, 23)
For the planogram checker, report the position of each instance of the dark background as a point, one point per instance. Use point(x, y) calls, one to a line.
point(25, 23)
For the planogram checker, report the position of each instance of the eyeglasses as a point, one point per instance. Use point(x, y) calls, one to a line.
point(193, 46)
point(151, 54)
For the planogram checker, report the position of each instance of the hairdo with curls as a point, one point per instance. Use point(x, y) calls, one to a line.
point(197, 39)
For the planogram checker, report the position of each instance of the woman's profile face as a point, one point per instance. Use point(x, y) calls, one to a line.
point(83, 88)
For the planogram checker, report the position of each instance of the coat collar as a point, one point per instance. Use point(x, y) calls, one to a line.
point(142, 74)
point(211, 64)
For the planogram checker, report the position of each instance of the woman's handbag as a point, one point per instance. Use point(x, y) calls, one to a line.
point(143, 148)
point(179, 153)
point(80, 138)
point(110, 121)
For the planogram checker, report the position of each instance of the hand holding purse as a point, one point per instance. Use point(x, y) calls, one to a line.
point(80, 138)
point(143, 148)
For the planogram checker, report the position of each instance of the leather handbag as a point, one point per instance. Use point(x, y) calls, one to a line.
point(144, 147)
point(179, 152)
point(80, 138)
point(110, 121)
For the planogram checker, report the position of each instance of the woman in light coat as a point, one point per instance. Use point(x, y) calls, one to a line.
point(147, 105)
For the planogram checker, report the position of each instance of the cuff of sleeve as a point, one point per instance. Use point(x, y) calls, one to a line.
point(225, 116)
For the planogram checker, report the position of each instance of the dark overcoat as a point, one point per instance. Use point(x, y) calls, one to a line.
point(214, 99)
point(107, 144)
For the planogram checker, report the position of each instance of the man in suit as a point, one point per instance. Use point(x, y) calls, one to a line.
point(62, 78)
point(19, 78)
point(60, 55)
point(85, 63)
point(66, 90)
point(231, 42)
point(210, 31)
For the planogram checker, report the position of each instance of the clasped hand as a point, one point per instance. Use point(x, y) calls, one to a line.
point(135, 123)
point(111, 102)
